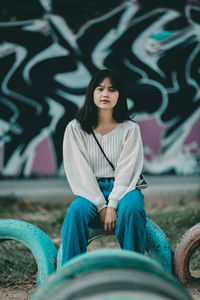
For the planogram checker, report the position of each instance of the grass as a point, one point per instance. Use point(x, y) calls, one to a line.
point(17, 264)
point(176, 223)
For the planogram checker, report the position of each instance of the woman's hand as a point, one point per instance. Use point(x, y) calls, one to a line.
point(110, 220)
point(102, 215)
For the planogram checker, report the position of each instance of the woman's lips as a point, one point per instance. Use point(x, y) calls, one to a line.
point(104, 101)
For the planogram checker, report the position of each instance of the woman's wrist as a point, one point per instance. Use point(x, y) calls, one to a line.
point(100, 207)
point(110, 207)
point(113, 203)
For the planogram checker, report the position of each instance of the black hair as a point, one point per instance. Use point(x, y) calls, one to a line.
point(88, 114)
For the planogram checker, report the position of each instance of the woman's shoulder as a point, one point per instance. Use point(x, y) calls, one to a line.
point(73, 125)
point(74, 128)
point(130, 125)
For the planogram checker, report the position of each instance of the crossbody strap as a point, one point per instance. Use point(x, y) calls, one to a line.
point(112, 166)
point(141, 184)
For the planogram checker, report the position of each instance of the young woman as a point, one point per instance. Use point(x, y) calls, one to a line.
point(106, 191)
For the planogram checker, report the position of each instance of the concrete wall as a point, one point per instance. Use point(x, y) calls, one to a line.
point(48, 53)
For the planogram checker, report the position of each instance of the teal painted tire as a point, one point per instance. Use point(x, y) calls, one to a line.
point(35, 240)
point(157, 245)
point(59, 258)
point(116, 284)
point(98, 275)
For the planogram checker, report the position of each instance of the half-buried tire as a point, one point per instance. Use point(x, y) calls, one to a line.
point(157, 245)
point(111, 274)
point(184, 249)
point(36, 240)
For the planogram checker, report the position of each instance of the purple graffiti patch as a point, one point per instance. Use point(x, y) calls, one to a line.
point(194, 134)
point(44, 162)
point(151, 133)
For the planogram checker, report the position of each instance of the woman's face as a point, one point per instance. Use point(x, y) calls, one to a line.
point(105, 95)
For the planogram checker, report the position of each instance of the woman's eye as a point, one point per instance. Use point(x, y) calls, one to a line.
point(112, 90)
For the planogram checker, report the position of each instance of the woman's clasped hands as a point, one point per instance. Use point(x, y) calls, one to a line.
point(108, 219)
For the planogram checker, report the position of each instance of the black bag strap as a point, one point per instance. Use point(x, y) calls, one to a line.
point(141, 181)
point(112, 166)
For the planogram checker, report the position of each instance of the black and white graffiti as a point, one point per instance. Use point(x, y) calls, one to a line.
point(47, 59)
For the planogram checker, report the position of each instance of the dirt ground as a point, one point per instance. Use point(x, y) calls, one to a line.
point(16, 293)
point(24, 290)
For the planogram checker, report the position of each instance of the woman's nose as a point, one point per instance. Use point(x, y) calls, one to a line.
point(105, 93)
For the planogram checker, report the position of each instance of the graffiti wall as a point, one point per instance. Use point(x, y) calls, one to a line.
point(48, 53)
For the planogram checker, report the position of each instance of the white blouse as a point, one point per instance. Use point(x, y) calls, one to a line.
point(84, 162)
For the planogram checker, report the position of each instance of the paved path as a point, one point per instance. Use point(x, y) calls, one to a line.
point(165, 188)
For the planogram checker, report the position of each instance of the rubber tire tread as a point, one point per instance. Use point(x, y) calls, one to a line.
point(115, 284)
point(158, 245)
point(101, 260)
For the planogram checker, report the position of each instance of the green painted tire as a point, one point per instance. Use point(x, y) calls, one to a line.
point(92, 270)
point(36, 240)
point(158, 245)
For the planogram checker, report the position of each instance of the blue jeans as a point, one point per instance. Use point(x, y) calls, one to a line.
point(82, 215)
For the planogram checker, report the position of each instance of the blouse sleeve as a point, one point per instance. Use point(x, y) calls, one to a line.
point(77, 168)
point(129, 166)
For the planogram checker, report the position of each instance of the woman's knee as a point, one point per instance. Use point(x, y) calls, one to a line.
point(132, 203)
point(77, 214)
point(79, 207)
